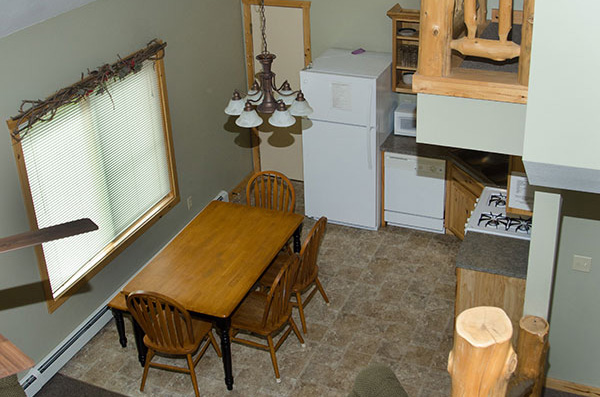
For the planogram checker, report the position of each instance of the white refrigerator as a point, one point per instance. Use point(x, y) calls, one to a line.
point(353, 114)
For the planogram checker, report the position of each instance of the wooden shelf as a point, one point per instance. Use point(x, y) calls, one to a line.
point(405, 48)
point(406, 68)
point(409, 38)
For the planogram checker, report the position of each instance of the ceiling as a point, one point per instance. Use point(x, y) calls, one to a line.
point(20, 14)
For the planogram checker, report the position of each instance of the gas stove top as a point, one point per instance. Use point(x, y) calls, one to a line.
point(489, 216)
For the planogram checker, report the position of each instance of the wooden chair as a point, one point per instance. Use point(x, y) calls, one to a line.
point(265, 313)
point(308, 273)
point(272, 190)
point(170, 330)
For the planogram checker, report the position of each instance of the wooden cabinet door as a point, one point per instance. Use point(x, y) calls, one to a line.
point(458, 208)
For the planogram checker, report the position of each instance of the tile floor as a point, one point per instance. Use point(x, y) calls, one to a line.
point(392, 297)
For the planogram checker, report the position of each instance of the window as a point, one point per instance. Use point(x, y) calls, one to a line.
point(107, 157)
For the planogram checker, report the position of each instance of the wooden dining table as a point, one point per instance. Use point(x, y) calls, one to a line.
point(212, 264)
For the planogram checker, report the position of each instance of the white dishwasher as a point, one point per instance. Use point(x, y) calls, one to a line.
point(414, 192)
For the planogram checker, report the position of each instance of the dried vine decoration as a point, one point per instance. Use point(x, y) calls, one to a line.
point(32, 111)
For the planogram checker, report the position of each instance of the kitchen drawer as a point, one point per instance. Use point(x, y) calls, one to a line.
point(465, 180)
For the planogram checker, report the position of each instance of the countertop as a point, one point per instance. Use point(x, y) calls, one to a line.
point(409, 145)
point(489, 253)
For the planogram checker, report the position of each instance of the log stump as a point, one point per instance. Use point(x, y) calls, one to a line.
point(482, 359)
point(532, 349)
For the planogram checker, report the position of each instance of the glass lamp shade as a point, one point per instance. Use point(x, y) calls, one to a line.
point(253, 95)
point(235, 107)
point(300, 106)
point(285, 93)
point(286, 96)
point(282, 118)
point(249, 118)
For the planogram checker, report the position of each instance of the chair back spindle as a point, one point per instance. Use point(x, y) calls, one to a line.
point(309, 254)
point(272, 190)
point(165, 322)
point(278, 304)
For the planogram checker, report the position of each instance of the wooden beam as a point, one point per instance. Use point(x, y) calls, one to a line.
point(472, 83)
point(435, 34)
point(526, 37)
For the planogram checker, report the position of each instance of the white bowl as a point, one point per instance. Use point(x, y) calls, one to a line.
point(407, 78)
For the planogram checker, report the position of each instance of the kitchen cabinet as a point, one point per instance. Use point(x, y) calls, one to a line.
point(462, 192)
point(405, 51)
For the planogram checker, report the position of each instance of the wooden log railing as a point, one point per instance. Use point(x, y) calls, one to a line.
point(440, 36)
point(498, 50)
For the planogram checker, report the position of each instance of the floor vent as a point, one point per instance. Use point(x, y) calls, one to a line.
point(222, 196)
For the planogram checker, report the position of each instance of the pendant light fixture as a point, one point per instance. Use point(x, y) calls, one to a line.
point(281, 103)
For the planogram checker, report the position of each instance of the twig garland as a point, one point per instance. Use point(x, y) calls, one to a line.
point(95, 82)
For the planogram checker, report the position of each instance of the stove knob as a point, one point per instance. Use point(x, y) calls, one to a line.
point(477, 200)
point(466, 225)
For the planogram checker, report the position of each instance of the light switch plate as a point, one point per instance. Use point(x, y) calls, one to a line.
point(582, 263)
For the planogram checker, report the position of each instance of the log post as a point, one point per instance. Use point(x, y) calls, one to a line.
point(482, 358)
point(532, 348)
point(526, 36)
point(435, 34)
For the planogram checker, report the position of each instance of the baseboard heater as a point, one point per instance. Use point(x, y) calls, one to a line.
point(42, 373)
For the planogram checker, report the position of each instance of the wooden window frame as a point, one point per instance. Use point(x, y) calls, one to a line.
point(128, 236)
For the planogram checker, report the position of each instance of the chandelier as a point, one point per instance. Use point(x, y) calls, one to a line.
point(281, 103)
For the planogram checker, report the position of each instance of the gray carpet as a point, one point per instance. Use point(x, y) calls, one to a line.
point(62, 386)
point(556, 393)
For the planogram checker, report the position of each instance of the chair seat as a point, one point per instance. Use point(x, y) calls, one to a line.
point(249, 315)
point(200, 328)
point(273, 270)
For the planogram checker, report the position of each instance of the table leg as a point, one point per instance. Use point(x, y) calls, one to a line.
point(118, 315)
point(224, 324)
point(138, 332)
point(297, 242)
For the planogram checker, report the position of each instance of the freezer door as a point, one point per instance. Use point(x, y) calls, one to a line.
point(339, 99)
point(340, 168)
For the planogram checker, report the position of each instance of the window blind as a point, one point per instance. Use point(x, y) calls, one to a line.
point(104, 158)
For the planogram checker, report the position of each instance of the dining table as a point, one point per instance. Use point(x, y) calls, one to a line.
point(214, 261)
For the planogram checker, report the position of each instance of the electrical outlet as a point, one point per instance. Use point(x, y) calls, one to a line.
point(582, 263)
point(189, 202)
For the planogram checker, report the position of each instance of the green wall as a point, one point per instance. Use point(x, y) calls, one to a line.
point(353, 24)
point(204, 63)
point(574, 316)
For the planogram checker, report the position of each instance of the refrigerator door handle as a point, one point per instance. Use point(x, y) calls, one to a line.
point(369, 154)
point(370, 130)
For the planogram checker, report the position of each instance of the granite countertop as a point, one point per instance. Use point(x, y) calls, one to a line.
point(408, 145)
point(489, 253)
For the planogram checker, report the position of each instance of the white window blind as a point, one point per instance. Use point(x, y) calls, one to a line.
point(104, 158)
